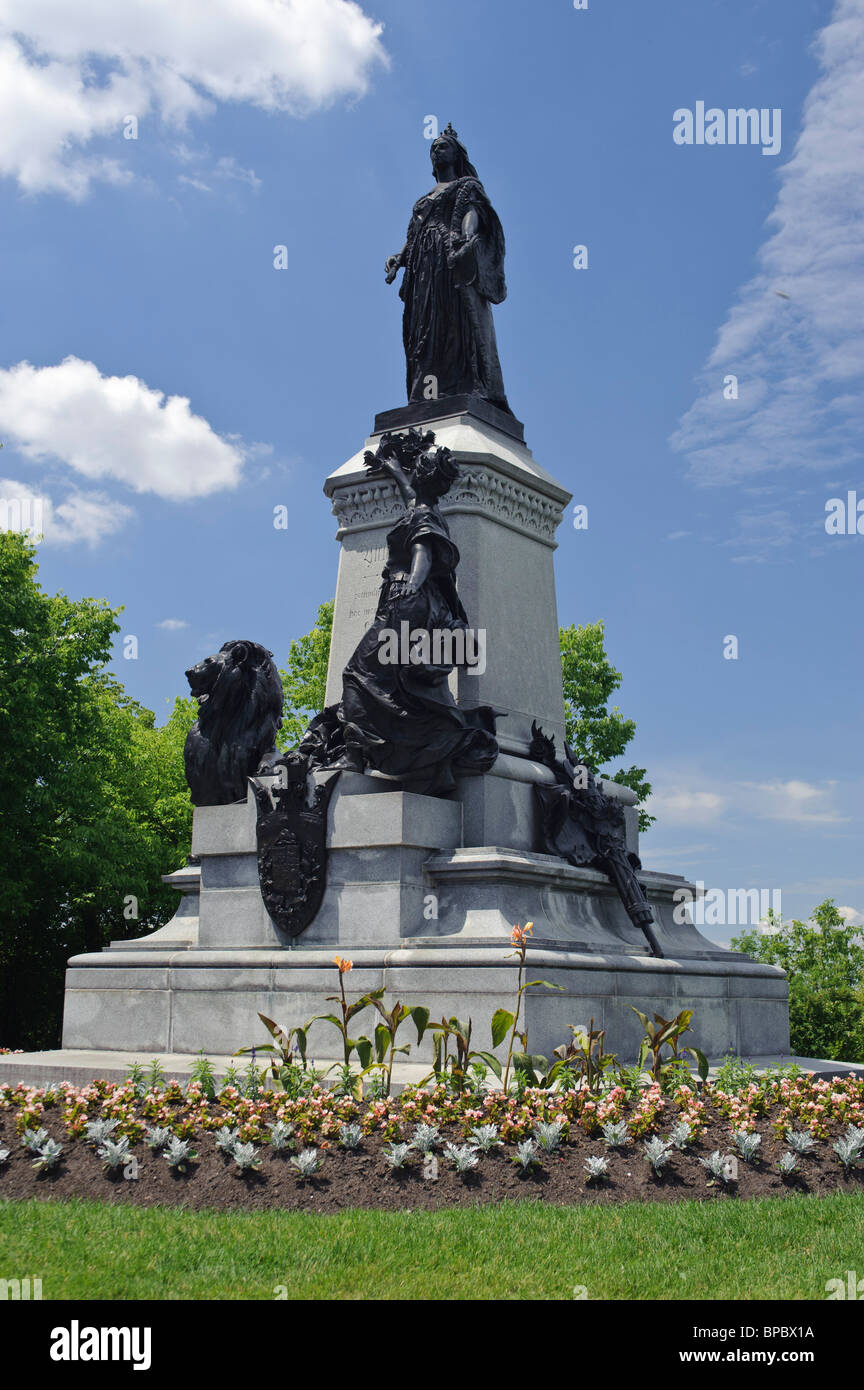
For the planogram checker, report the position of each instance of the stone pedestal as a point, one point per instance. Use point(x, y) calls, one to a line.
point(427, 917)
point(422, 892)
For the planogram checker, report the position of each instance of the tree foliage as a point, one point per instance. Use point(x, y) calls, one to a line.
point(824, 959)
point(596, 733)
point(94, 806)
point(304, 678)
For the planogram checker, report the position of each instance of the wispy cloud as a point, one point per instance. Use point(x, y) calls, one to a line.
point(793, 800)
point(702, 800)
point(86, 517)
point(795, 338)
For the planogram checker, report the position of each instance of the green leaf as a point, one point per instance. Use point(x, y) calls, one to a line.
point(277, 1033)
point(324, 1018)
point(382, 1041)
point(420, 1015)
point(363, 1002)
point(545, 983)
point(522, 1061)
point(701, 1063)
point(491, 1061)
point(363, 1048)
point(502, 1022)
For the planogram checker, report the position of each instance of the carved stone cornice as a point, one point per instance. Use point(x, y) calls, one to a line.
point(479, 488)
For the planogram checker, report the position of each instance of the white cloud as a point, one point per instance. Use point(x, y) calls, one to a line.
point(760, 535)
point(799, 360)
point(71, 73)
point(172, 624)
point(682, 805)
point(852, 916)
point(793, 800)
point(82, 516)
point(115, 427)
point(195, 183)
point(228, 168)
point(686, 801)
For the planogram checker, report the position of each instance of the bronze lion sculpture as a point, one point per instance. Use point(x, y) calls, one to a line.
point(239, 694)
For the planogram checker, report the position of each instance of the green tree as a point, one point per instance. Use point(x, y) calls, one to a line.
point(596, 733)
point(93, 802)
point(824, 960)
point(304, 679)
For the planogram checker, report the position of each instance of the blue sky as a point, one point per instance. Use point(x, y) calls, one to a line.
point(149, 262)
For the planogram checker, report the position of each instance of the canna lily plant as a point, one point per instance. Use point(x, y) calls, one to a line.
point(667, 1032)
point(362, 1046)
point(385, 1034)
point(504, 1022)
point(457, 1031)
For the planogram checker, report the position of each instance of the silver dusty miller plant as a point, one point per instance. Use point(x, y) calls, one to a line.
point(548, 1134)
point(748, 1145)
point(720, 1166)
point(486, 1137)
point(280, 1135)
point(426, 1138)
point(47, 1157)
point(114, 1154)
point(33, 1139)
point(526, 1154)
point(681, 1135)
point(156, 1137)
point(616, 1134)
point(397, 1154)
point(226, 1137)
point(849, 1146)
point(800, 1141)
point(658, 1152)
point(246, 1157)
point(100, 1130)
point(350, 1136)
point(306, 1164)
point(597, 1167)
point(464, 1157)
point(179, 1153)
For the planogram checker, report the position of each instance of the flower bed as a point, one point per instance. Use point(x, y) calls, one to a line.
point(242, 1146)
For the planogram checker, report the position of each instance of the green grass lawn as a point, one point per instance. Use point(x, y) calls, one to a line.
point(779, 1248)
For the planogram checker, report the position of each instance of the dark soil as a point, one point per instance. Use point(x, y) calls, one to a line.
point(363, 1178)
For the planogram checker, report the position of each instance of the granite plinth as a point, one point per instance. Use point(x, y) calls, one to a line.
point(427, 412)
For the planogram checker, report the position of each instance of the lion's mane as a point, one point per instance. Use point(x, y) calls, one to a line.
point(239, 692)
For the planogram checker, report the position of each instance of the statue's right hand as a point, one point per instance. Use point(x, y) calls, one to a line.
point(391, 268)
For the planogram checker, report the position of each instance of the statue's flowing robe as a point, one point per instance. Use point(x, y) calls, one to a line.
point(448, 290)
point(403, 716)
